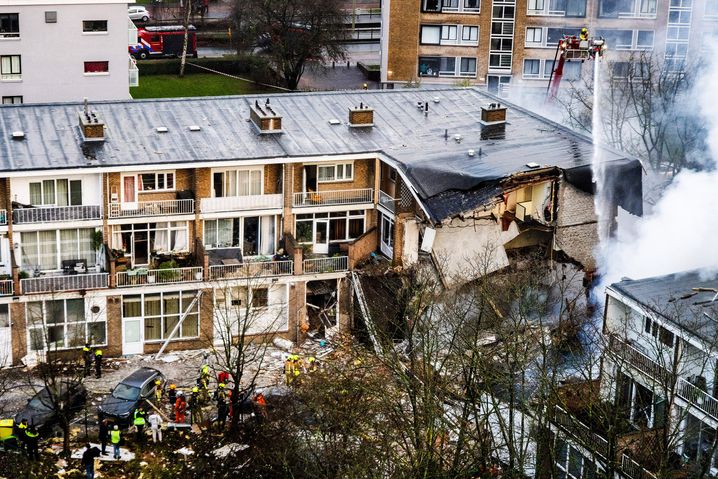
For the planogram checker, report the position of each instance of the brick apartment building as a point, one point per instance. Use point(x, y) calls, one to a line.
point(134, 225)
point(502, 42)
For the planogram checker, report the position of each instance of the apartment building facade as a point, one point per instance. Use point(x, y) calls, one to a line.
point(65, 50)
point(502, 42)
point(141, 239)
point(659, 377)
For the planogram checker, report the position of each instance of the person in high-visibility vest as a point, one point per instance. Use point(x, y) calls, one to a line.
point(115, 440)
point(32, 439)
point(180, 408)
point(222, 410)
point(312, 364)
point(87, 356)
point(172, 394)
point(158, 391)
point(98, 363)
point(21, 428)
point(139, 423)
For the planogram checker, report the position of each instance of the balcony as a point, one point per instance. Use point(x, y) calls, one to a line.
point(55, 284)
point(56, 214)
point(637, 359)
point(260, 269)
point(387, 201)
point(131, 32)
point(240, 203)
point(580, 431)
point(152, 208)
point(697, 397)
point(144, 276)
point(134, 72)
point(332, 198)
point(334, 264)
point(634, 470)
point(6, 288)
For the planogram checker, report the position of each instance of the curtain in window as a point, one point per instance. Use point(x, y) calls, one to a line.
point(179, 239)
point(47, 246)
point(267, 239)
point(132, 307)
point(62, 193)
point(117, 238)
point(230, 183)
point(255, 185)
point(28, 250)
point(48, 192)
point(356, 227)
point(87, 252)
point(129, 189)
point(162, 239)
point(224, 232)
point(68, 244)
point(153, 306)
point(35, 193)
point(338, 229)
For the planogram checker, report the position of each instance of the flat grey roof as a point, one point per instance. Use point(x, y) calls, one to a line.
point(685, 298)
point(418, 143)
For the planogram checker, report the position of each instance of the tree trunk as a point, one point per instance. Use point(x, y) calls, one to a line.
point(183, 59)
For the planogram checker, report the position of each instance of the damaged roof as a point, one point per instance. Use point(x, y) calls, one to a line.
point(688, 299)
point(424, 146)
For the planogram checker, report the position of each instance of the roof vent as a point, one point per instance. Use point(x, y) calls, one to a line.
point(334, 121)
point(18, 135)
point(532, 164)
point(91, 124)
point(162, 129)
point(361, 117)
point(265, 118)
point(493, 114)
point(194, 128)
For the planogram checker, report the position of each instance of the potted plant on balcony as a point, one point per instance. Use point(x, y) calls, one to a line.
point(168, 272)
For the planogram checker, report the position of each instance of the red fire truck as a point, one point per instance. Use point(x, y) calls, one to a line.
point(163, 41)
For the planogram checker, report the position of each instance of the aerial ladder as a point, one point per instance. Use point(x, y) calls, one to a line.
point(572, 48)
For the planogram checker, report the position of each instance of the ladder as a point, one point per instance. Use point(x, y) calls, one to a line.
point(363, 307)
point(195, 300)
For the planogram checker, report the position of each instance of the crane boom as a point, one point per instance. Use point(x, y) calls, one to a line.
point(572, 48)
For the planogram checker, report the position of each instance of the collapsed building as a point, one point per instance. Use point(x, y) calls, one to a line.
point(133, 225)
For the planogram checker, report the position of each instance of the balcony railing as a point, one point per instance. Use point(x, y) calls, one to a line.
point(6, 288)
point(237, 203)
point(334, 264)
point(580, 431)
point(634, 470)
point(131, 32)
point(54, 284)
point(338, 197)
point(264, 269)
point(152, 208)
point(638, 360)
point(387, 201)
point(134, 72)
point(697, 397)
point(3, 217)
point(53, 214)
point(143, 277)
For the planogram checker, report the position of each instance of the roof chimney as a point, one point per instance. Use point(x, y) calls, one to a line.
point(361, 117)
point(91, 124)
point(493, 114)
point(265, 118)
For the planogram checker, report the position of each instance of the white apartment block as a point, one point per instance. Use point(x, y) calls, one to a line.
point(64, 50)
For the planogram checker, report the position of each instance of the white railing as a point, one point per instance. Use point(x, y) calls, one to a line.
point(237, 203)
point(131, 33)
point(580, 431)
point(134, 72)
point(143, 277)
point(697, 397)
point(51, 214)
point(338, 197)
point(260, 269)
point(365, 33)
point(634, 470)
point(6, 288)
point(637, 359)
point(74, 282)
point(152, 208)
point(334, 264)
point(3, 217)
point(387, 201)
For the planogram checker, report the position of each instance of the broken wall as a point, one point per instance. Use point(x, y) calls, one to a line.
point(576, 225)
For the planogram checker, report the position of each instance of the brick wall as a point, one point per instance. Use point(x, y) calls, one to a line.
point(576, 225)
point(297, 308)
point(345, 297)
point(19, 331)
point(360, 249)
point(114, 326)
point(363, 178)
point(272, 179)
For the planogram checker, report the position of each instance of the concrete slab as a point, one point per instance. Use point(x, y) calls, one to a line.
point(125, 454)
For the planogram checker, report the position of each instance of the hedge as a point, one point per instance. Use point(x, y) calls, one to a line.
point(235, 65)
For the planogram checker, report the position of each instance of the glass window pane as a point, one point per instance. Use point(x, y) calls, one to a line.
point(56, 337)
point(48, 192)
point(34, 313)
point(96, 332)
point(304, 231)
point(430, 34)
point(132, 307)
point(190, 326)
point(63, 193)
point(171, 304)
point(75, 310)
point(35, 193)
point(250, 245)
point(153, 329)
point(153, 306)
point(54, 312)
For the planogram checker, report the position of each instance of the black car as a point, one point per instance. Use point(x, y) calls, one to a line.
point(128, 394)
point(40, 410)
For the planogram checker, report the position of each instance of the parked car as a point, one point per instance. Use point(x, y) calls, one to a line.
point(128, 394)
point(138, 13)
point(40, 410)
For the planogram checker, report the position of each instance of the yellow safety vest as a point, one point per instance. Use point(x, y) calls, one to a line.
point(31, 434)
point(98, 352)
point(139, 419)
point(115, 436)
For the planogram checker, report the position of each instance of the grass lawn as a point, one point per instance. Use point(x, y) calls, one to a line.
point(196, 84)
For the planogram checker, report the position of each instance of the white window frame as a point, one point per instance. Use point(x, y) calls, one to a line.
point(14, 73)
point(58, 249)
point(449, 34)
point(531, 76)
point(241, 219)
point(469, 74)
point(164, 175)
point(236, 172)
point(162, 316)
point(339, 174)
point(531, 33)
point(470, 29)
point(349, 215)
point(460, 7)
point(12, 100)
point(166, 227)
point(422, 40)
point(54, 201)
point(43, 327)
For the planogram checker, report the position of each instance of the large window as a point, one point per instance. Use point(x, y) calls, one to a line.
point(447, 66)
point(468, 67)
point(430, 35)
point(10, 68)
point(164, 181)
point(560, 8)
point(618, 39)
point(253, 234)
point(99, 67)
point(343, 225)
point(534, 36)
point(59, 192)
point(467, 6)
point(62, 324)
point(145, 239)
point(45, 250)
point(532, 68)
point(571, 464)
point(9, 25)
point(536, 68)
point(336, 172)
point(94, 26)
point(12, 100)
point(626, 8)
point(242, 182)
point(162, 312)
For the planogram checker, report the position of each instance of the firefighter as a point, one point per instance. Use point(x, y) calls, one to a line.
point(194, 406)
point(584, 34)
point(98, 363)
point(221, 397)
point(261, 405)
point(289, 369)
point(180, 408)
point(158, 391)
point(139, 423)
point(172, 394)
point(312, 364)
point(87, 357)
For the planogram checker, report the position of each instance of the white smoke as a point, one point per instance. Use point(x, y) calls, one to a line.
point(681, 232)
